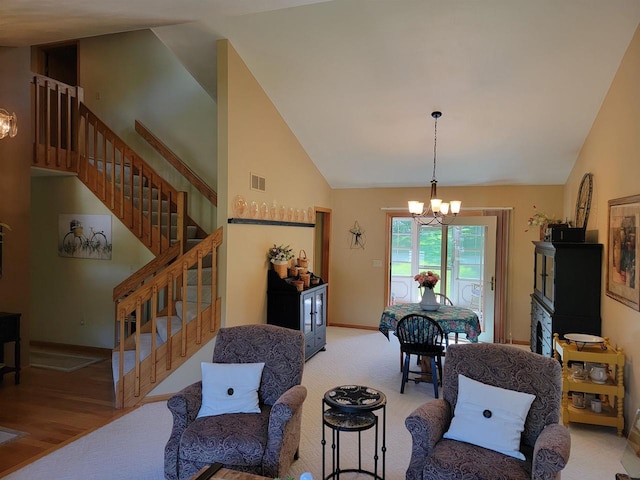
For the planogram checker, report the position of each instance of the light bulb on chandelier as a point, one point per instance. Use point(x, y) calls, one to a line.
point(437, 210)
point(8, 124)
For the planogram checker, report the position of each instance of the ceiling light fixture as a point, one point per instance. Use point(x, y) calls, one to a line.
point(8, 124)
point(437, 211)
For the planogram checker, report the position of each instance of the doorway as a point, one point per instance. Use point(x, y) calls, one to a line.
point(321, 249)
point(59, 62)
point(462, 254)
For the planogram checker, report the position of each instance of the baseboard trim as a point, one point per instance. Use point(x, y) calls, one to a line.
point(346, 325)
point(79, 349)
point(157, 398)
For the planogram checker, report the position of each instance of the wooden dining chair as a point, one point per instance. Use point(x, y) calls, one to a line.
point(442, 300)
point(422, 336)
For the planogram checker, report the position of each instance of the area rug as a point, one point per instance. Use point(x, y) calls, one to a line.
point(8, 434)
point(60, 361)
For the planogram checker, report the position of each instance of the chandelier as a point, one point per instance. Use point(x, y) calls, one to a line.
point(437, 211)
point(8, 124)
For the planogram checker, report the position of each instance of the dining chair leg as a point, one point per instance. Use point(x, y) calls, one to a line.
point(401, 361)
point(434, 376)
point(405, 372)
point(456, 337)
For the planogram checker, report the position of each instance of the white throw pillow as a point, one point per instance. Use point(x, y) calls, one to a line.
point(490, 417)
point(230, 388)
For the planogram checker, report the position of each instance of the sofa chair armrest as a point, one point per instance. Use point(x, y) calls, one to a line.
point(551, 452)
point(184, 407)
point(285, 421)
point(427, 424)
point(186, 403)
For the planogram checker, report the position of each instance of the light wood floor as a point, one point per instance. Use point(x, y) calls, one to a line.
point(53, 408)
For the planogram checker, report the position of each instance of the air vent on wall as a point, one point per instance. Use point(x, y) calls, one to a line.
point(258, 183)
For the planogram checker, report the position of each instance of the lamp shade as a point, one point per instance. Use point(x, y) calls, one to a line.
point(416, 207)
point(8, 124)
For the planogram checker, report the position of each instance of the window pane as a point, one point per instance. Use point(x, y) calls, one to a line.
point(430, 248)
point(401, 246)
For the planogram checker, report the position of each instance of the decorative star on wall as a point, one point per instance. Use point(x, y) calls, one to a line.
point(358, 238)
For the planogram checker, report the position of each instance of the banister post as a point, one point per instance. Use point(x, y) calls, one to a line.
point(181, 202)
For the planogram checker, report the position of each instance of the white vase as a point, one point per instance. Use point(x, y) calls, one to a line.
point(429, 301)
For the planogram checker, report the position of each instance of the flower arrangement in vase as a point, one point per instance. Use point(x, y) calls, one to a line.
point(427, 280)
point(542, 220)
point(279, 256)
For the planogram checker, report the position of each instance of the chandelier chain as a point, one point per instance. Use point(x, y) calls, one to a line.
point(435, 143)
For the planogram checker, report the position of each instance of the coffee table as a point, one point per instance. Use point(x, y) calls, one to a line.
point(216, 472)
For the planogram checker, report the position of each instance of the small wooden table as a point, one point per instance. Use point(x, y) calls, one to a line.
point(226, 474)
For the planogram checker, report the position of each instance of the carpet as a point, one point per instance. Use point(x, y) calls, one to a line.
point(132, 447)
point(60, 361)
point(8, 434)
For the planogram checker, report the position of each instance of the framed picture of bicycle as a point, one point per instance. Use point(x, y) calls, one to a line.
point(622, 275)
point(84, 236)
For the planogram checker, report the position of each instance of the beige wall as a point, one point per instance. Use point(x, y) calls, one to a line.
point(253, 137)
point(612, 152)
point(15, 161)
point(357, 294)
point(72, 298)
point(133, 76)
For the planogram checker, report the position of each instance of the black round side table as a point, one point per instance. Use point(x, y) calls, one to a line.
point(349, 408)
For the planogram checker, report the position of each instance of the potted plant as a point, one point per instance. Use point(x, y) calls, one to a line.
point(542, 220)
point(279, 256)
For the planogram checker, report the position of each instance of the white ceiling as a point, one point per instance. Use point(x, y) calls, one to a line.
point(519, 82)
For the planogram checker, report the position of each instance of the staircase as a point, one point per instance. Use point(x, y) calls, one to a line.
point(169, 308)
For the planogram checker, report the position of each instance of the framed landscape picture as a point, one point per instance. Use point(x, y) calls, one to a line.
point(622, 275)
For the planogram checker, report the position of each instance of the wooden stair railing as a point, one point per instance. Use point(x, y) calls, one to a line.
point(136, 280)
point(55, 124)
point(178, 164)
point(69, 137)
point(128, 186)
point(161, 293)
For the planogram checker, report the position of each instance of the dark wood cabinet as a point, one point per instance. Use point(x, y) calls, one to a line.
point(566, 292)
point(10, 332)
point(305, 311)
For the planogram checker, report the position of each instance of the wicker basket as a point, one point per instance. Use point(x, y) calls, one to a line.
point(303, 261)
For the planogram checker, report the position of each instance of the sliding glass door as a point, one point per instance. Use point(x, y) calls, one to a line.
point(463, 254)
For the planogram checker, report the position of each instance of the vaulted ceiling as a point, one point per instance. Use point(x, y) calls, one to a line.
point(519, 82)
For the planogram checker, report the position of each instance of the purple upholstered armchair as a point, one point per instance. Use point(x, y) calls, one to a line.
point(264, 443)
point(544, 443)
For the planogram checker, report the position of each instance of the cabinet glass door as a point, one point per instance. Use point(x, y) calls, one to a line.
point(539, 276)
point(307, 304)
point(549, 278)
point(319, 312)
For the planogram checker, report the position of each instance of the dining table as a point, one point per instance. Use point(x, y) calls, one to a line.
point(452, 319)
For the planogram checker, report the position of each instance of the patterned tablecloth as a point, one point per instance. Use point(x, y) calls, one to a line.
point(451, 319)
